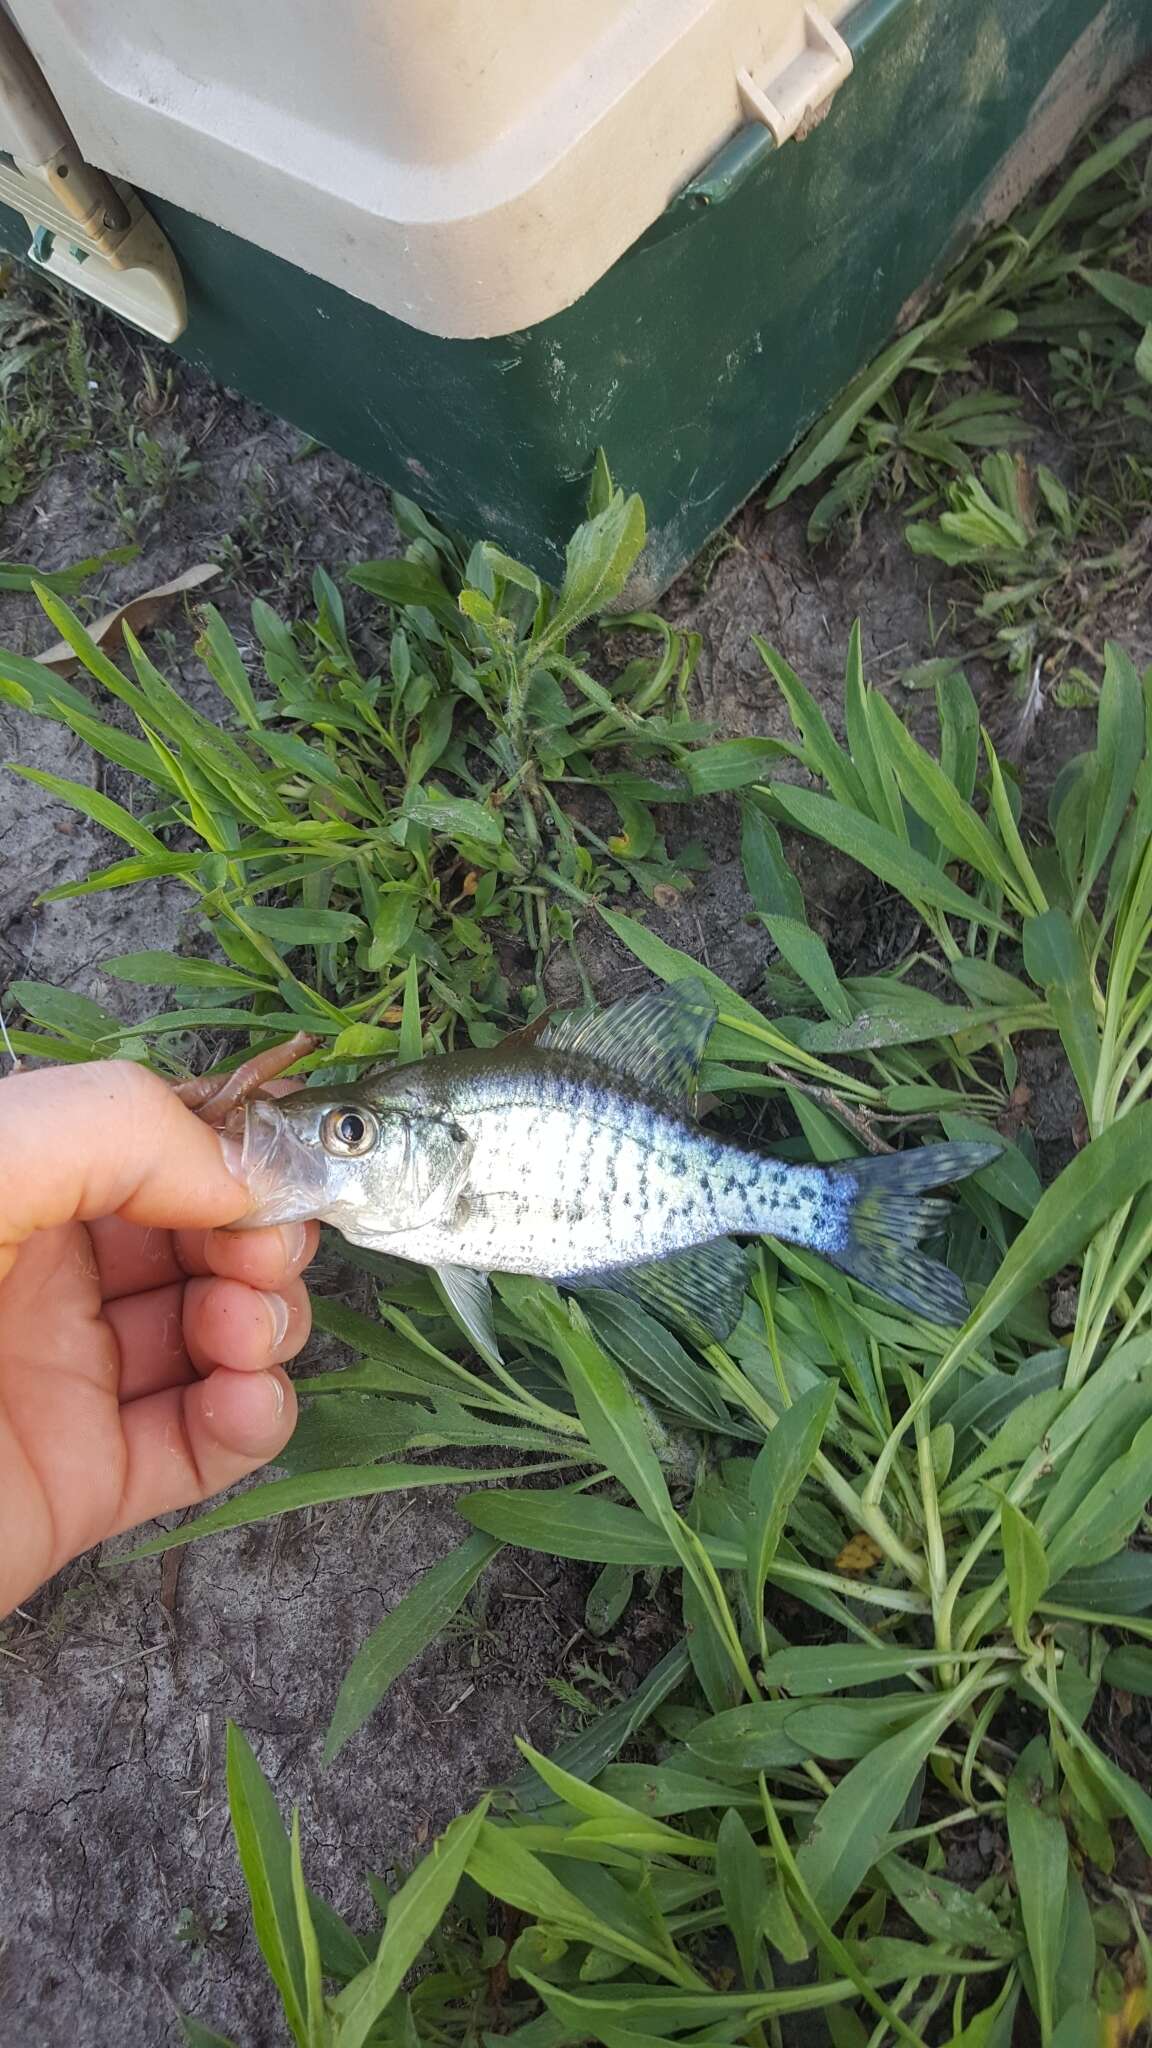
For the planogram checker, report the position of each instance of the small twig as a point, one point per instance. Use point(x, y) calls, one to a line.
point(213, 1096)
point(828, 1099)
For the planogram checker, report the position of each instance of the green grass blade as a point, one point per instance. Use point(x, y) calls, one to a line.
point(743, 1892)
point(879, 850)
point(1027, 1570)
point(316, 2020)
point(851, 1826)
point(101, 809)
point(413, 1916)
point(414, 1623)
point(313, 1489)
point(776, 1478)
point(1040, 1859)
point(266, 1860)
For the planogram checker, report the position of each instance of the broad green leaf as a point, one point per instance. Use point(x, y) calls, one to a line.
point(1055, 958)
point(1125, 293)
point(1091, 1188)
point(404, 584)
point(712, 1664)
point(303, 927)
point(413, 1623)
point(811, 962)
point(946, 1912)
point(730, 764)
point(1040, 1860)
point(1121, 1586)
point(749, 1738)
point(63, 582)
point(612, 1419)
point(101, 809)
point(851, 1826)
point(502, 1865)
point(1129, 1669)
point(771, 884)
point(598, 561)
point(579, 1525)
point(841, 1730)
point(776, 1478)
point(60, 1010)
point(1119, 752)
point(266, 1860)
point(959, 828)
point(413, 1917)
point(613, 2013)
point(879, 850)
point(1108, 1513)
point(168, 970)
point(837, 1667)
point(1026, 1566)
point(743, 1891)
point(599, 1805)
point(456, 818)
point(905, 1017)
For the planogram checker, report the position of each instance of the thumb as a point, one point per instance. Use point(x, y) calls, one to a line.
point(106, 1139)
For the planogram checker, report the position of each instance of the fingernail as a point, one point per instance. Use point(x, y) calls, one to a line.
point(279, 1317)
point(294, 1238)
point(233, 1151)
point(278, 1393)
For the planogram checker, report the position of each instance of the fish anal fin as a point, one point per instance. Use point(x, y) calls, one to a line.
point(657, 1039)
point(469, 1297)
point(702, 1290)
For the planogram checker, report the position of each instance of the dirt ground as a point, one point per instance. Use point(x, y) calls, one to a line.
point(121, 1897)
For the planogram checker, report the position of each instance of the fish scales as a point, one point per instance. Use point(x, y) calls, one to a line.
point(571, 1176)
point(569, 1159)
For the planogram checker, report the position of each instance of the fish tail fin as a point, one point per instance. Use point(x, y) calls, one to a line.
point(889, 1213)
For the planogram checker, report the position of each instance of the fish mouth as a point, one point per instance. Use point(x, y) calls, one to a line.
point(285, 1178)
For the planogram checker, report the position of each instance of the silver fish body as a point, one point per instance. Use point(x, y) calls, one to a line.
point(570, 1159)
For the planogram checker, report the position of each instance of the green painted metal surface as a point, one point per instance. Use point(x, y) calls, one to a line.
point(707, 349)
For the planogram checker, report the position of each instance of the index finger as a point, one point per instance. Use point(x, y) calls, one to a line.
point(106, 1139)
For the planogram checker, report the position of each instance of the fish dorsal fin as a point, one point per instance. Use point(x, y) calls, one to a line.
point(529, 1034)
point(469, 1297)
point(700, 1290)
point(657, 1039)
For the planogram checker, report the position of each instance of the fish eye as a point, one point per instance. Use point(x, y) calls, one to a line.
point(349, 1133)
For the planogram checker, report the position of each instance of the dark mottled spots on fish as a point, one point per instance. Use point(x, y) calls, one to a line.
point(678, 1165)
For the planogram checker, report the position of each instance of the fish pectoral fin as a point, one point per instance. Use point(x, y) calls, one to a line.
point(657, 1039)
point(469, 1298)
point(702, 1290)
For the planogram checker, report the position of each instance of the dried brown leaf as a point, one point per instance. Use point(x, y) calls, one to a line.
point(139, 613)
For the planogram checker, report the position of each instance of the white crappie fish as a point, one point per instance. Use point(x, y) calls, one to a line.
point(572, 1154)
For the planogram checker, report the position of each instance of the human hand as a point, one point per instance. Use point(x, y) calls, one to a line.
point(141, 1343)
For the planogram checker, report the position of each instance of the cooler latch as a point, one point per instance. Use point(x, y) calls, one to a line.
point(786, 103)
